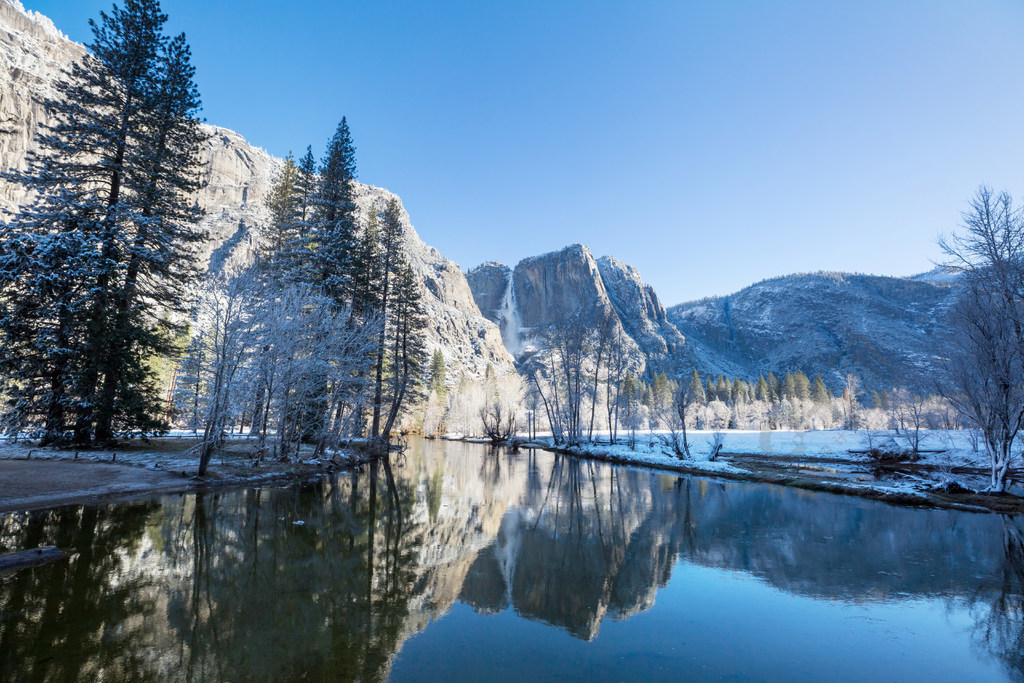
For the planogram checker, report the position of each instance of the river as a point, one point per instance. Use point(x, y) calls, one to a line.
point(457, 561)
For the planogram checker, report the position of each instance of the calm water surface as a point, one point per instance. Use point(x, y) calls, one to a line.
point(459, 562)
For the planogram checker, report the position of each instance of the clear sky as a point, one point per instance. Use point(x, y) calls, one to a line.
point(711, 144)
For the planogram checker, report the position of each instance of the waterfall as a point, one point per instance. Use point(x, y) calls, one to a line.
point(509, 319)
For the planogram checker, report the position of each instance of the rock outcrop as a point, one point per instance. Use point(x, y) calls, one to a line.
point(547, 290)
point(489, 284)
point(237, 176)
point(640, 310)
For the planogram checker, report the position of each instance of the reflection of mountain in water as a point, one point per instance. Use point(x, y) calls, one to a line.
point(226, 585)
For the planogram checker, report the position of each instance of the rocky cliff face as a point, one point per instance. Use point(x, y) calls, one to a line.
point(489, 284)
point(32, 53)
point(640, 310)
point(885, 330)
point(468, 340)
point(237, 176)
point(544, 291)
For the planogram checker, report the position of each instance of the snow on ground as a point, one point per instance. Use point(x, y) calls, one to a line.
point(794, 449)
point(835, 444)
point(178, 452)
point(656, 454)
point(156, 457)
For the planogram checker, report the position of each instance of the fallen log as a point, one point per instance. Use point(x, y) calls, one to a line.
point(30, 558)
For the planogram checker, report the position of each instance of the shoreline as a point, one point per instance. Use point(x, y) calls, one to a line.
point(964, 502)
point(37, 484)
point(126, 480)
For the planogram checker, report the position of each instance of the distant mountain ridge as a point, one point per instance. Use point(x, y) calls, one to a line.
point(885, 330)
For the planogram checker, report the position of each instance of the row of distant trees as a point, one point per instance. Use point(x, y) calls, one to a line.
point(318, 340)
point(586, 383)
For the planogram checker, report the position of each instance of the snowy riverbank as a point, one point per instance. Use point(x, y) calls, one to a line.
point(832, 461)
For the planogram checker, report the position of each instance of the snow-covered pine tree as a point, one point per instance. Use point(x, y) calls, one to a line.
point(334, 228)
point(282, 202)
point(45, 273)
point(299, 249)
point(66, 254)
point(159, 243)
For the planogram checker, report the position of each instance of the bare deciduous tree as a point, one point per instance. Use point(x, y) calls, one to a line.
point(908, 412)
point(985, 366)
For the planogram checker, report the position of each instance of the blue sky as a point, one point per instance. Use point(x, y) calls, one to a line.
point(711, 144)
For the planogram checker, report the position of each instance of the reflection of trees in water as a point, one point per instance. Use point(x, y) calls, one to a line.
point(588, 541)
point(999, 616)
point(233, 590)
point(76, 618)
point(224, 586)
point(324, 599)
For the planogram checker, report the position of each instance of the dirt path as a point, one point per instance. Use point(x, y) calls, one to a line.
point(27, 484)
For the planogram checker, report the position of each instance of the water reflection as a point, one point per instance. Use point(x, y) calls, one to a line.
point(330, 580)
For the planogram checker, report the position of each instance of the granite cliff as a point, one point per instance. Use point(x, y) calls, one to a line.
point(237, 175)
point(544, 291)
point(885, 330)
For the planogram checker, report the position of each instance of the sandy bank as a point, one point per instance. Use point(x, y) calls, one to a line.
point(29, 484)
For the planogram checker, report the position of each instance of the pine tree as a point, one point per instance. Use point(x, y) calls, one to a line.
point(282, 203)
point(88, 269)
point(697, 389)
point(438, 376)
point(334, 217)
point(299, 250)
point(739, 391)
point(722, 392)
point(762, 392)
point(661, 391)
point(407, 354)
point(366, 273)
point(158, 247)
point(801, 386)
point(400, 307)
point(789, 387)
point(820, 393)
point(774, 386)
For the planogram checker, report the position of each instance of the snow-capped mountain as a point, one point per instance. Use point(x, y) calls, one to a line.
point(33, 52)
point(885, 330)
